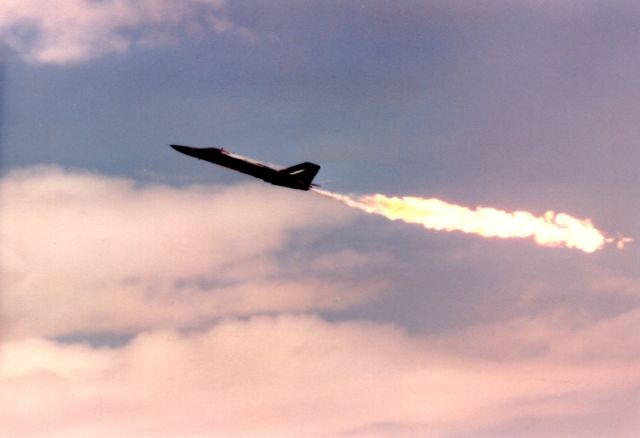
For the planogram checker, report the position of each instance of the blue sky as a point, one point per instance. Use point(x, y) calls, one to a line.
point(120, 254)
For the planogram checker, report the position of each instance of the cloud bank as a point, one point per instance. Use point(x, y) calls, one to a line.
point(226, 339)
point(299, 376)
point(90, 253)
point(72, 31)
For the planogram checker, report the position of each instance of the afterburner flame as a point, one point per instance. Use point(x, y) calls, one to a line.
point(556, 230)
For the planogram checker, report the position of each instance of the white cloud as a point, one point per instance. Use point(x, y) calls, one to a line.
point(89, 253)
point(85, 253)
point(68, 31)
point(290, 376)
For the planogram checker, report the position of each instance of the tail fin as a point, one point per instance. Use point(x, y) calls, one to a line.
point(303, 172)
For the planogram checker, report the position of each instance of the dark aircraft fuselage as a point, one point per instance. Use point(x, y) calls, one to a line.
point(295, 177)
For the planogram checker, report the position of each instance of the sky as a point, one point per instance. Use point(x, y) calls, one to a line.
point(147, 294)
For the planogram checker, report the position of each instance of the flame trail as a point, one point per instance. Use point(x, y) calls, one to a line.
point(550, 230)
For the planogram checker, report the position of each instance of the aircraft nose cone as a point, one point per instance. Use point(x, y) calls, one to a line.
point(179, 148)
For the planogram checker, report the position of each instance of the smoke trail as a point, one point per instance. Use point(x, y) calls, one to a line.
point(552, 229)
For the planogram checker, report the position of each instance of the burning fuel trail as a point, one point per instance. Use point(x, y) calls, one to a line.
point(556, 230)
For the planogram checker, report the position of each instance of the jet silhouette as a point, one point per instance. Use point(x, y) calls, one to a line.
point(295, 177)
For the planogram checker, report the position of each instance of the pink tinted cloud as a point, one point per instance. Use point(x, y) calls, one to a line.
point(71, 31)
point(90, 253)
point(295, 376)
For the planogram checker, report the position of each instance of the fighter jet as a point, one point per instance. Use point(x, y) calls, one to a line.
point(295, 177)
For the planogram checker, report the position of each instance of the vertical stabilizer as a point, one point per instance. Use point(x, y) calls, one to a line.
point(303, 172)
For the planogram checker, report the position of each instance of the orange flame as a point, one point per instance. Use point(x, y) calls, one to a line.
point(555, 230)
